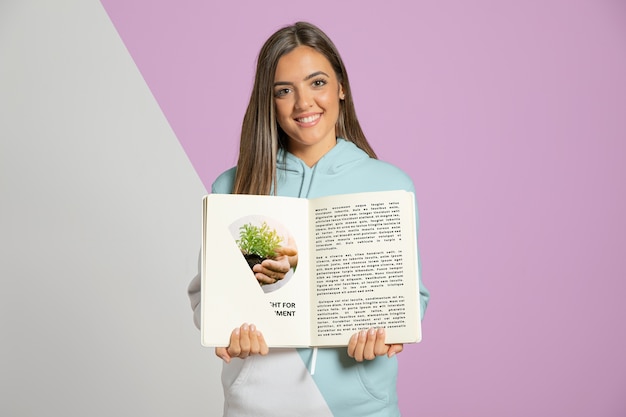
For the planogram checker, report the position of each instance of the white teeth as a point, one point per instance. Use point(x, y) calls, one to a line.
point(309, 119)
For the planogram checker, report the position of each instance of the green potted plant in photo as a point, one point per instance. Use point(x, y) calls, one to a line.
point(258, 243)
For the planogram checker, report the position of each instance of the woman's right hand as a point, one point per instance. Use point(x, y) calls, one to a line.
point(244, 341)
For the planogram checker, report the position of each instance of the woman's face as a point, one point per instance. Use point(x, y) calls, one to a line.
point(306, 96)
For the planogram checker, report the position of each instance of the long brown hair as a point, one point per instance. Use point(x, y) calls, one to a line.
point(261, 136)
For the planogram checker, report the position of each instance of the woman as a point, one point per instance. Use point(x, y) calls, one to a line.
point(301, 137)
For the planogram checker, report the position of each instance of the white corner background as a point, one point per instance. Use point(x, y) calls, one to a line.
point(99, 228)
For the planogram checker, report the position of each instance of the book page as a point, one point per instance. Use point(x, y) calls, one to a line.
point(231, 294)
point(366, 272)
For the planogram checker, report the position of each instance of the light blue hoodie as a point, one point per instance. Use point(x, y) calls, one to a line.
point(280, 383)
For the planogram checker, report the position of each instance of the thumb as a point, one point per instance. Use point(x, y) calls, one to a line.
point(393, 349)
point(287, 251)
point(222, 352)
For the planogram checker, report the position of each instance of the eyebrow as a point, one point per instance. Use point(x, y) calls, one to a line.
point(308, 77)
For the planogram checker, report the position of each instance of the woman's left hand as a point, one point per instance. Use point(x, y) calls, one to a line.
point(367, 344)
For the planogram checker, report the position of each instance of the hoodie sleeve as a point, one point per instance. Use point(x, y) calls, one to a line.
point(423, 291)
point(194, 296)
point(222, 185)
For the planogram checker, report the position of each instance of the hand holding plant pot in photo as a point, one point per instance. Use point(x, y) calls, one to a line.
point(260, 245)
point(275, 269)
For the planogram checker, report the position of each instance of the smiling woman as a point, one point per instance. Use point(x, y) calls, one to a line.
point(301, 138)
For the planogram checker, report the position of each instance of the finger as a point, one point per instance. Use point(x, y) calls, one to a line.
point(234, 350)
point(380, 348)
point(393, 349)
point(274, 265)
point(352, 344)
point(263, 348)
point(222, 352)
point(272, 269)
point(254, 340)
point(244, 341)
point(368, 350)
point(264, 279)
point(360, 346)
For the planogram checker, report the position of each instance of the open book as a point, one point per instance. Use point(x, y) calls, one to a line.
point(356, 268)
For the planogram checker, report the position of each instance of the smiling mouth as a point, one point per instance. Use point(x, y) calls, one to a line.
point(309, 119)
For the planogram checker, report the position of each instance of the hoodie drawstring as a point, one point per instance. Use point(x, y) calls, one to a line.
point(313, 361)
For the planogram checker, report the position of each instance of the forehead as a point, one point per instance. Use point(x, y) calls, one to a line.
point(301, 62)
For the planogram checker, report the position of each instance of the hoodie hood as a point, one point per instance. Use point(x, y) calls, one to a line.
point(295, 178)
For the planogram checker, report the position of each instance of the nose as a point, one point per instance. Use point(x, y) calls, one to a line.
point(304, 100)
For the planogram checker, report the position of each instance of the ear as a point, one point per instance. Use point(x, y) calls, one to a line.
point(342, 95)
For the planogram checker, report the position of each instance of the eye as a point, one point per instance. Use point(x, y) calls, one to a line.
point(281, 92)
point(320, 82)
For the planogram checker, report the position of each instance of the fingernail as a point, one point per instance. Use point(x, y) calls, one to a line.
point(381, 331)
point(372, 332)
point(363, 333)
point(245, 327)
point(252, 328)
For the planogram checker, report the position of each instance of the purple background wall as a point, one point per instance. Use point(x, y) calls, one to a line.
point(510, 117)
